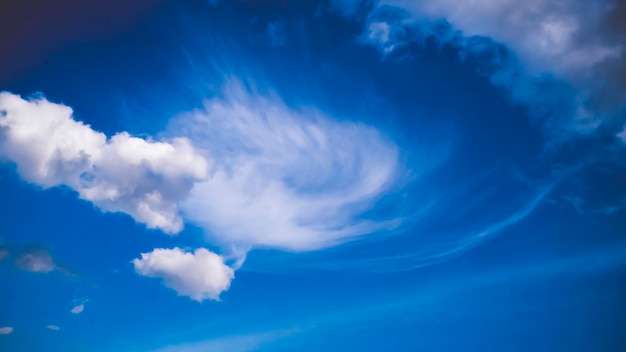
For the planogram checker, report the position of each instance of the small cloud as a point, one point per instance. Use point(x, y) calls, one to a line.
point(36, 261)
point(34, 258)
point(78, 309)
point(53, 327)
point(6, 330)
point(198, 275)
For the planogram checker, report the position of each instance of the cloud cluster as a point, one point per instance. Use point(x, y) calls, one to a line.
point(564, 37)
point(285, 178)
point(199, 275)
point(250, 170)
point(563, 60)
point(143, 178)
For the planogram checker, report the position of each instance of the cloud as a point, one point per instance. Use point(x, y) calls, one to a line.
point(566, 37)
point(32, 258)
point(622, 135)
point(37, 261)
point(6, 330)
point(199, 275)
point(53, 327)
point(558, 104)
point(282, 177)
point(237, 343)
point(562, 60)
point(142, 178)
point(78, 309)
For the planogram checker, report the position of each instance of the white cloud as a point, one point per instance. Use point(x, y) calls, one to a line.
point(53, 327)
point(199, 275)
point(562, 37)
point(143, 178)
point(285, 178)
point(78, 309)
point(6, 330)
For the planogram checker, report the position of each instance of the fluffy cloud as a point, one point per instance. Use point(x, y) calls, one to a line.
point(199, 275)
point(6, 330)
point(143, 178)
point(285, 178)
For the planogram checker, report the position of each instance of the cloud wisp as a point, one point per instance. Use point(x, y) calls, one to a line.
point(6, 330)
point(78, 309)
point(286, 178)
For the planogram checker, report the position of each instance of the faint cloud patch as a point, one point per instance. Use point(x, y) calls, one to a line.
point(238, 343)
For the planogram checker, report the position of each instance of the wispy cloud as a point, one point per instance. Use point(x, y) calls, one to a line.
point(79, 306)
point(53, 327)
point(235, 343)
point(77, 309)
point(6, 330)
point(286, 178)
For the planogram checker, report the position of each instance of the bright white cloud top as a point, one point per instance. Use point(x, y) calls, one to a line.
point(142, 178)
point(199, 275)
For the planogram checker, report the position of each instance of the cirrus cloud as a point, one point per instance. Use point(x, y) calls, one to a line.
point(283, 177)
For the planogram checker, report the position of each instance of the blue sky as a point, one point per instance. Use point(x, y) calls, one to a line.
point(427, 175)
